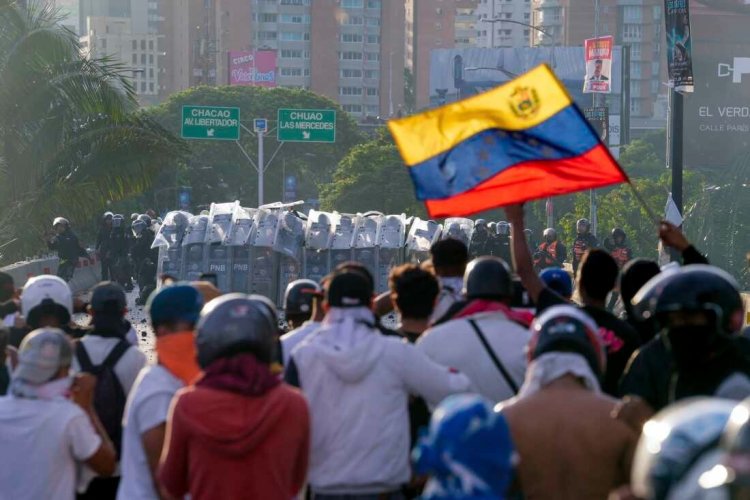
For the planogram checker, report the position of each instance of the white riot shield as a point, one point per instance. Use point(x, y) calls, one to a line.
point(365, 238)
point(422, 235)
point(169, 241)
point(219, 256)
point(194, 248)
point(390, 248)
point(318, 238)
point(459, 229)
point(288, 245)
point(264, 261)
point(341, 245)
point(239, 239)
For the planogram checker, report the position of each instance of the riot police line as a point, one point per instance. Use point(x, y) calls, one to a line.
point(261, 250)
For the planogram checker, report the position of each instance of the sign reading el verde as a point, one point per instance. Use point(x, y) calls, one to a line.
point(211, 122)
point(306, 125)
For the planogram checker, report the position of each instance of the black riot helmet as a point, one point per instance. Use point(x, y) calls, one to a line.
point(503, 228)
point(549, 235)
point(236, 323)
point(488, 278)
point(299, 295)
point(618, 235)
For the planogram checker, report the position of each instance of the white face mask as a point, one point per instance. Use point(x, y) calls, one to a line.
point(51, 390)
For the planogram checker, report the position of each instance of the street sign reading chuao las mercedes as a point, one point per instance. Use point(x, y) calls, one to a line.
point(211, 122)
point(306, 125)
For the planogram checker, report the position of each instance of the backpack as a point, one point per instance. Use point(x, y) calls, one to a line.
point(109, 395)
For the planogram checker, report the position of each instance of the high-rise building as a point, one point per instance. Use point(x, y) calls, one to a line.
point(435, 25)
point(639, 25)
point(113, 37)
point(101, 8)
point(500, 23)
point(349, 50)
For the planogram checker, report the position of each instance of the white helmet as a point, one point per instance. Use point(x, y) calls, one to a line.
point(46, 288)
point(60, 220)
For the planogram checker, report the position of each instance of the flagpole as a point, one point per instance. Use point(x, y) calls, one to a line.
point(651, 214)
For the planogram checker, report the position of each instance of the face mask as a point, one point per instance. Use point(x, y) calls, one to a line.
point(55, 389)
point(178, 354)
point(691, 345)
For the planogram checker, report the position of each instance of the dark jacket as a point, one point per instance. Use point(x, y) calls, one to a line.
point(67, 246)
point(141, 249)
point(652, 374)
point(581, 244)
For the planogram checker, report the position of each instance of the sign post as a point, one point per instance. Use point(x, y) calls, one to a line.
point(210, 123)
point(306, 125)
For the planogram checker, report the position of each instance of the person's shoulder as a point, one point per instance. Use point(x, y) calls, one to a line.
point(153, 380)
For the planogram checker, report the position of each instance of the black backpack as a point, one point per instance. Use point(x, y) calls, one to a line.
point(109, 395)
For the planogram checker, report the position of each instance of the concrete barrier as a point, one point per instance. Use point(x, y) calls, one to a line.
point(87, 273)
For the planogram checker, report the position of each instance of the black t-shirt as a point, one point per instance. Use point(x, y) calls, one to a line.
point(620, 339)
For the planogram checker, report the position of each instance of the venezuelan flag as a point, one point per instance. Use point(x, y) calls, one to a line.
point(521, 141)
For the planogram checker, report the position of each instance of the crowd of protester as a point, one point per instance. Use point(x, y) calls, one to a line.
point(494, 384)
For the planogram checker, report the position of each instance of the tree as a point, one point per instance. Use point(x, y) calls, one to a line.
point(218, 171)
point(70, 137)
point(372, 177)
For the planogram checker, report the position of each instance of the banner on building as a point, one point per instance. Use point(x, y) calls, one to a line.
point(255, 68)
point(679, 44)
point(598, 53)
point(598, 117)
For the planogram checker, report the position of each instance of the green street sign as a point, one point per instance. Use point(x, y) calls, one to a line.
point(306, 125)
point(211, 122)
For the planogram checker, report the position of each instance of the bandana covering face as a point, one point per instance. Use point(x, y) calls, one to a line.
point(178, 354)
point(59, 388)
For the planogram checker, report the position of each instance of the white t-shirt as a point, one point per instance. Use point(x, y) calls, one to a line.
point(126, 369)
point(40, 445)
point(147, 407)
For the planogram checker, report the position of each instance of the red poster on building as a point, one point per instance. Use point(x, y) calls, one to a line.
point(254, 68)
point(598, 52)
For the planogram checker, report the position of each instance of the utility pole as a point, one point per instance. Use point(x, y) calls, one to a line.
point(261, 167)
point(675, 145)
point(594, 102)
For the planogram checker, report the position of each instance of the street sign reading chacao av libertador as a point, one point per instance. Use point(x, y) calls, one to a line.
point(211, 122)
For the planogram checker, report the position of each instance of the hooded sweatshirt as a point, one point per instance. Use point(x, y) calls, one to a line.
point(222, 444)
point(357, 383)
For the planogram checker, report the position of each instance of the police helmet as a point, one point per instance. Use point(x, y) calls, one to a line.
point(138, 227)
point(236, 323)
point(503, 228)
point(567, 329)
point(299, 296)
point(60, 220)
point(583, 226)
point(550, 234)
point(487, 277)
point(618, 233)
point(146, 219)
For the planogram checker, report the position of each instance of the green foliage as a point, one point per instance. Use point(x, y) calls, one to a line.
point(218, 170)
point(372, 177)
point(70, 138)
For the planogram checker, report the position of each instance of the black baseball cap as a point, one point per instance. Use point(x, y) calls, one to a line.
point(108, 295)
point(349, 289)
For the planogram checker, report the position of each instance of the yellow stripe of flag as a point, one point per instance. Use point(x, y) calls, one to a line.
point(420, 137)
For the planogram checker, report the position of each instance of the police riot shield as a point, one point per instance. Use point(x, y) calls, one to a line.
point(422, 235)
point(318, 237)
point(364, 244)
point(169, 241)
point(458, 228)
point(219, 226)
point(264, 261)
point(288, 245)
point(390, 248)
point(341, 245)
point(194, 248)
point(238, 240)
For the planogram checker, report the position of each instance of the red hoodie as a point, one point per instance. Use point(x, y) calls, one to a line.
point(226, 445)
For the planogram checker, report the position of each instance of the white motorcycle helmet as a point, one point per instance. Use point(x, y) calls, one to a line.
point(678, 450)
point(46, 290)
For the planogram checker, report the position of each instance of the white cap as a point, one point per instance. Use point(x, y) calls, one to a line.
point(40, 288)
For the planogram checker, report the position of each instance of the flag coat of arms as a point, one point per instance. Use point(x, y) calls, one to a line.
point(521, 141)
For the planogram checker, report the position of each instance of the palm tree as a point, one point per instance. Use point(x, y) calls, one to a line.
point(71, 137)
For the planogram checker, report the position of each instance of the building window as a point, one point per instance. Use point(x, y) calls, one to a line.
point(269, 18)
point(351, 38)
point(373, 110)
point(657, 12)
point(632, 32)
point(372, 74)
point(135, 45)
point(439, 11)
point(291, 71)
point(291, 54)
point(635, 106)
point(151, 86)
point(291, 36)
point(143, 58)
point(143, 87)
point(350, 90)
point(373, 38)
point(351, 73)
point(150, 45)
point(294, 19)
point(372, 91)
point(372, 56)
point(135, 58)
point(373, 4)
point(267, 35)
point(352, 108)
point(526, 16)
point(354, 20)
point(373, 21)
point(632, 14)
point(635, 51)
point(350, 56)
point(352, 4)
